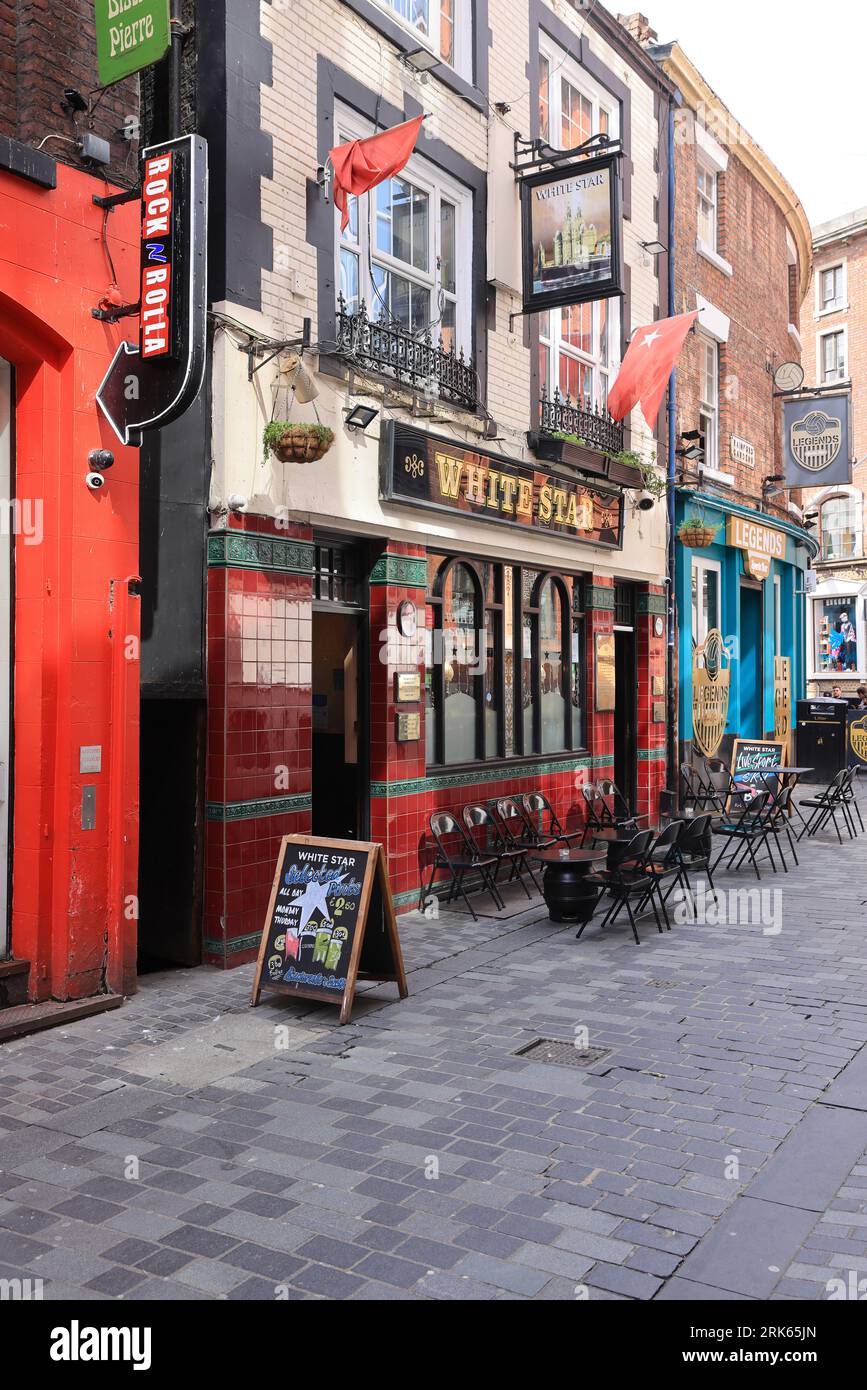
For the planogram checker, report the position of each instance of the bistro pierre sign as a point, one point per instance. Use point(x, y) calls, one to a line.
point(130, 35)
point(426, 471)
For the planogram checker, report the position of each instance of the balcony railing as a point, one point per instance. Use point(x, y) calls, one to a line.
point(414, 361)
point(595, 428)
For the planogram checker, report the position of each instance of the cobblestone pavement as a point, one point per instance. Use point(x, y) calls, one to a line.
point(186, 1147)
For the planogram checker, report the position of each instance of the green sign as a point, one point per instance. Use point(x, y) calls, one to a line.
point(130, 34)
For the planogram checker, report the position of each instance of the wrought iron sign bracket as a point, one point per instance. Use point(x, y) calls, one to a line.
point(534, 154)
point(115, 200)
point(120, 311)
point(254, 349)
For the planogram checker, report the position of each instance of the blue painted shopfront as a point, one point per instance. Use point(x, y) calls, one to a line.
point(758, 621)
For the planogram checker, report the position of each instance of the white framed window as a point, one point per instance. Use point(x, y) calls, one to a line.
point(407, 250)
point(708, 219)
point(706, 598)
point(579, 346)
point(831, 289)
point(832, 356)
point(709, 403)
point(841, 527)
point(443, 26)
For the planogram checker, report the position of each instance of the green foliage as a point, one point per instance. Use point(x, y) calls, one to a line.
point(275, 430)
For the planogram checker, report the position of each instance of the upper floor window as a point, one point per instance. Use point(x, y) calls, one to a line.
point(841, 528)
point(709, 406)
point(443, 26)
point(407, 250)
point(708, 220)
point(832, 288)
point(579, 346)
point(833, 356)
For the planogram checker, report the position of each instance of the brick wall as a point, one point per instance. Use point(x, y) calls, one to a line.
point(44, 48)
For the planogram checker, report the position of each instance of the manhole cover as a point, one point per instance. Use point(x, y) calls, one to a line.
point(562, 1054)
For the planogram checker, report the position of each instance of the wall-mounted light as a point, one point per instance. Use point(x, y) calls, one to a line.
point(694, 450)
point(360, 416)
point(420, 59)
point(654, 248)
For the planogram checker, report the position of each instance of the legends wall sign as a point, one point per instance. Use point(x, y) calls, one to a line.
point(153, 381)
point(761, 544)
point(817, 439)
point(426, 471)
point(571, 234)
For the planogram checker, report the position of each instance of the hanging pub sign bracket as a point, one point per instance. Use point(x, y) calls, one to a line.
point(256, 348)
point(153, 381)
point(535, 154)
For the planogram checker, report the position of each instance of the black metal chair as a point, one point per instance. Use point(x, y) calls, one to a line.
point(518, 833)
point(780, 821)
point(627, 883)
point(616, 804)
point(478, 818)
point(458, 855)
point(850, 796)
point(825, 807)
point(746, 833)
point(695, 851)
point(536, 808)
point(694, 792)
point(718, 781)
point(664, 864)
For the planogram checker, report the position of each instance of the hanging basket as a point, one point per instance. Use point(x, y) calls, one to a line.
point(297, 443)
point(695, 534)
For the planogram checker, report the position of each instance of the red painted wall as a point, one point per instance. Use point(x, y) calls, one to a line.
point(75, 668)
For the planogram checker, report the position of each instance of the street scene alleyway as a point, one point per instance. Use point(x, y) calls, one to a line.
point(187, 1147)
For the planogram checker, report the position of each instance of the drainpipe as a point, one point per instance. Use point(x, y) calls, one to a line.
point(673, 743)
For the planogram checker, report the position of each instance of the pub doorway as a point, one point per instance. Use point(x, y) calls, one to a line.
point(751, 661)
point(625, 699)
point(339, 683)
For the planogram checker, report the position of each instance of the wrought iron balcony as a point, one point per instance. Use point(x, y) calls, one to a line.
point(595, 428)
point(412, 360)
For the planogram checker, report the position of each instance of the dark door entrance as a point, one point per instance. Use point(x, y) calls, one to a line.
point(625, 704)
point(751, 663)
point(339, 701)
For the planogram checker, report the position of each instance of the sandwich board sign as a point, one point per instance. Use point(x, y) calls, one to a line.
point(330, 923)
point(752, 760)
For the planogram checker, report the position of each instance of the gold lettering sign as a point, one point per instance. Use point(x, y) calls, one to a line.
point(605, 673)
point(782, 698)
point(407, 687)
point(762, 544)
point(711, 687)
point(858, 738)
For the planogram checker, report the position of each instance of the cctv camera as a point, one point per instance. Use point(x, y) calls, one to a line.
point(100, 459)
point(95, 481)
point(646, 502)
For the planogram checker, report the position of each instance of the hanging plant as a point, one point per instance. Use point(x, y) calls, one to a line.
point(694, 532)
point(297, 443)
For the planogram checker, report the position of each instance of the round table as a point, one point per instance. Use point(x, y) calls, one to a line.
point(568, 896)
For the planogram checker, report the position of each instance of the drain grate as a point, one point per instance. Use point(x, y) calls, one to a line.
point(562, 1054)
point(662, 984)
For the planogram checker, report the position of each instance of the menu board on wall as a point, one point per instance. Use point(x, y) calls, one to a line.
point(330, 923)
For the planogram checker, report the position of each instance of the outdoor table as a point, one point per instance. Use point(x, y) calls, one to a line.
point(568, 897)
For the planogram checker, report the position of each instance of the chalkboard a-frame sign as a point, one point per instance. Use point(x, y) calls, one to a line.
point(330, 923)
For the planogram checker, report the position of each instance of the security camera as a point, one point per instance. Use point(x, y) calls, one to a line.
point(237, 503)
point(646, 502)
point(100, 459)
point(95, 481)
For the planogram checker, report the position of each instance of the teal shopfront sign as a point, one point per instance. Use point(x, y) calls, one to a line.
point(130, 35)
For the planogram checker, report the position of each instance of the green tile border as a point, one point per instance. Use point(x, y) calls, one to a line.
point(446, 781)
point(251, 550)
point(651, 755)
point(262, 806)
point(406, 571)
point(599, 599)
point(653, 604)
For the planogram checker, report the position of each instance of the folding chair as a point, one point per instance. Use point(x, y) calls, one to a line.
point(780, 820)
point(746, 833)
point(664, 863)
point(825, 806)
point(619, 807)
point(457, 854)
point(850, 796)
point(694, 790)
point(627, 883)
point(480, 818)
point(694, 850)
point(718, 783)
point(518, 833)
point(536, 808)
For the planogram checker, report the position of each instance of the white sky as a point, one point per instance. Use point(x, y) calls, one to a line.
point(793, 72)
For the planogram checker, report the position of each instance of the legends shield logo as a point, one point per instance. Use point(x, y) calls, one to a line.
point(711, 684)
point(858, 738)
point(816, 440)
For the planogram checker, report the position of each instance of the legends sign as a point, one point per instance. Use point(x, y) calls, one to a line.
point(761, 544)
point(330, 923)
point(130, 35)
point(425, 471)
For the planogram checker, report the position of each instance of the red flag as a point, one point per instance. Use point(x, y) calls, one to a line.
point(647, 367)
point(362, 164)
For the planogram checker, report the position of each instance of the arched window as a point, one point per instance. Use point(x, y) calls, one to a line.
point(841, 528)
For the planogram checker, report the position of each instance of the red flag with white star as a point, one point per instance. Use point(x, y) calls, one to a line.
point(647, 367)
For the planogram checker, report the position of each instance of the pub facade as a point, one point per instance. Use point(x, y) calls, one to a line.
point(461, 595)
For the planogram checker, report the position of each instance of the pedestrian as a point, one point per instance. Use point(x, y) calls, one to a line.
point(861, 692)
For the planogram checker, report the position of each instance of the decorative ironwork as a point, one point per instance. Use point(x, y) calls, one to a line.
point(412, 359)
point(595, 428)
point(534, 154)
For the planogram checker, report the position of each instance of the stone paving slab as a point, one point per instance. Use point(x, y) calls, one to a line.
point(414, 1154)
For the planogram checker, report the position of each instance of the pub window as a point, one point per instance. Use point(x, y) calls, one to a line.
point(706, 581)
point(501, 643)
point(579, 344)
point(841, 528)
point(833, 356)
point(443, 26)
point(335, 574)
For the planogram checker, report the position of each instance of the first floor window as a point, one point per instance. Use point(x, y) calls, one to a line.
point(443, 26)
point(841, 528)
point(835, 625)
point(709, 405)
point(579, 352)
point(833, 357)
point(505, 661)
point(706, 579)
point(407, 250)
point(831, 288)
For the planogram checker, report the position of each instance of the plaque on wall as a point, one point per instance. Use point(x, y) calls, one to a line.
point(407, 687)
point(604, 673)
point(659, 685)
point(659, 712)
point(408, 728)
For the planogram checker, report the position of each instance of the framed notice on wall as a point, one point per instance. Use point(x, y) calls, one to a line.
point(330, 923)
point(571, 234)
point(604, 673)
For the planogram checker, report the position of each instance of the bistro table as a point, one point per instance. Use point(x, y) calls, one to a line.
point(568, 897)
